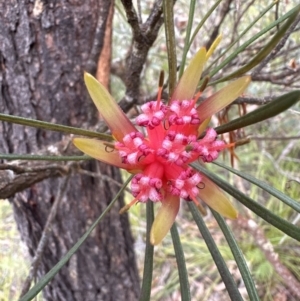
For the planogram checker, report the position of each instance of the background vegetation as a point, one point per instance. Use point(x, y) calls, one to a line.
point(273, 155)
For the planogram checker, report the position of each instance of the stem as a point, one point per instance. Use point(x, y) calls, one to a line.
point(171, 43)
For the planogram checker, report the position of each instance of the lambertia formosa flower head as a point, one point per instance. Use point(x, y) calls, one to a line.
point(163, 142)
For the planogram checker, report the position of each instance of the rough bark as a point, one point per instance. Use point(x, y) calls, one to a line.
point(44, 48)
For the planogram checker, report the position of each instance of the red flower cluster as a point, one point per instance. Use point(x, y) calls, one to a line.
point(159, 153)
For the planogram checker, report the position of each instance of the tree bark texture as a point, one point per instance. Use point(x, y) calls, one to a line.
point(45, 46)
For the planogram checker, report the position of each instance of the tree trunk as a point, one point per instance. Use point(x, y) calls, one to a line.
point(45, 46)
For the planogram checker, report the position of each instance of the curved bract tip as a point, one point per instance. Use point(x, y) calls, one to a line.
point(101, 151)
point(215, 198)
point(189, 81)
point(115, 118)
point(164, 219)
point(223, 97)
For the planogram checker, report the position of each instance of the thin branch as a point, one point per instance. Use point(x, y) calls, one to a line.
point(11, 182)
point(45, 235)
point(254, 100)
point(101, 176)
point(144, 36)
point(139, 7)
point(251, 227)
point(133, 20)
point(279, 169)
point(25, 169)
point(272, 77)
point(287, 149)
point(154, 17)
point(216, 28)
point(17, 175)
point(275, 138)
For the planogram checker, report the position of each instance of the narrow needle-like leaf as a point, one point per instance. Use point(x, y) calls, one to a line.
point(263, 52)
point(216, 255)
point(53, 127)
point(171, 43)
point(187, 36)
point(181, 266)
point(273, 191)
point(148, 261)
point(43, 158)
point(255, 37)
point(206, 16)
point(278, 222)
point(238, 256)
point(264, 112)
point(262, 13)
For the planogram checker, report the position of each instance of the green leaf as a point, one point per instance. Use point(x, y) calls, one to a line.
point(263, 52)
point(53, 127)
point(43, 158)
point(148, 260)
point(264, 112)
point(281, 224)
point(171, 43)
point(216, 255)
point(238, 256)
point(273, 191)
point(187, 36)
point(290, 13)
point(206, 16)
point(243, 33)
point(47, 278)
point(181, 266)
